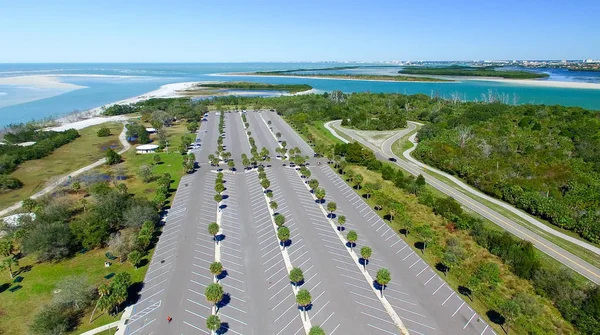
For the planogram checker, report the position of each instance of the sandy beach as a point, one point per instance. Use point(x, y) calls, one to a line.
point(39, 81)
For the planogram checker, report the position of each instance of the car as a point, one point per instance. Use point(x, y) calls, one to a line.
point(392, 159)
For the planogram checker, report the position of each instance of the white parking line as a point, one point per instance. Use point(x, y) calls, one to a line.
point(459, 307)
point(450, 296)
point(466, 324)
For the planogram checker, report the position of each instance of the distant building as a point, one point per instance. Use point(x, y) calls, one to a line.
point(146, 148)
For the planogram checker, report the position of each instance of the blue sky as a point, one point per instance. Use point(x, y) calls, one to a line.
point(309, 30)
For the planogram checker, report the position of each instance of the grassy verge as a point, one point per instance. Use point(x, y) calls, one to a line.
point(583, 253)
point(85, 150)
point(510, 284)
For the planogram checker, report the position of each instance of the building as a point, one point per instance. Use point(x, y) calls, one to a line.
point(146, 148)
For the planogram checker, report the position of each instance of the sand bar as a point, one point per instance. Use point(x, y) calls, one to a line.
point(39, 81)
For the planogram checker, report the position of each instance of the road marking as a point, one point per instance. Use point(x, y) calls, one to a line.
point(434, 292)
point(411, 253)
point(234, 319)
point(426, 267)
point(429, 279)
point(378, 318)
point(466, 324)
point(282, 329)
point(484, 329)
point(383, 330)
point(413, 264)
point(322, 307)
point(459, 307)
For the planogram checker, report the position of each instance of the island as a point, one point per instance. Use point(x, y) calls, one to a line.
point(224, 88)
point(471, 71)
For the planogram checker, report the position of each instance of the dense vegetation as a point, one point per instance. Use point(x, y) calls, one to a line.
point(379, 77)
point(243, 85)
point(333, 68)
point(542, 159)
point(469, 71)
point(11, 154)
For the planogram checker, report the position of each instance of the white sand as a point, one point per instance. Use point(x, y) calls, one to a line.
point(39, 81)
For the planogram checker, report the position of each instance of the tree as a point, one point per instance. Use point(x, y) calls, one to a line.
point(316, 330)
point(103, 132)
point(383, 277)
point(52, 241)
point(265, 183)
point(320, 194)
point(273, 205)
point(420, 181)
point(358, 179)
point(296, 276)
point(122, 243)
point(6, 247)
point(214, 293)
point(303, 299)
point(213, 229)
point(510, 310)
point(218, 198)
point(213, 323)
point(283, 234)
point(313, 184)
point(216, 268)
point(112, 157)
point(29, 204)
point(219, 187)
point(426, 234)
point(138, 213)
point(8, 263)
point(341, 221)
point(279, 220)
point(352, 237)
point(331, 207)
point(365, 253)
point(156, 158)
point(145, 173)
point(74, 292)
point(192, 126)
point(278, 135)
point(134, 258)
point(231, 165)
point(52, 319)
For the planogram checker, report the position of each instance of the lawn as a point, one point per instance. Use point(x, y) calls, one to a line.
point(459, 275)
point(87, 149)
point(39, 281)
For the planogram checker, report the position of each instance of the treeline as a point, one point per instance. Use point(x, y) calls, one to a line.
point(457, 70)
point(243, 85)
point(542, 159)
point(11, 155)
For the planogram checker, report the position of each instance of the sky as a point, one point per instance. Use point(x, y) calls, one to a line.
point(310, 30)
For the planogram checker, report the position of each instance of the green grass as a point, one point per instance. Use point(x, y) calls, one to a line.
point(86, 149)
point(583, 253)
point(318, 129)
point(17, 308)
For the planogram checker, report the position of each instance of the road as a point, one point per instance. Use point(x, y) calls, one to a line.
point(568, 259)
point(259, 297)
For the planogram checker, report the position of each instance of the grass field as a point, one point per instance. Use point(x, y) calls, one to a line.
point(86, 149)
point(17, 308)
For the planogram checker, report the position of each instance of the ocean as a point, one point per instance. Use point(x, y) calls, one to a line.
point(105, 83)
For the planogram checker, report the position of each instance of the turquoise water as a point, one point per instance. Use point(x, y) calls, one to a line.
point(128, 80)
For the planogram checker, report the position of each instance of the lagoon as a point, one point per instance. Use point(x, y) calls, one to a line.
point(105, 83)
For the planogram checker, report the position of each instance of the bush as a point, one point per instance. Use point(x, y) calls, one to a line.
point(53, 319)
point(103, 132)
point(8, 183)
point(112, 157)
point(75, 292)
point(52, 241)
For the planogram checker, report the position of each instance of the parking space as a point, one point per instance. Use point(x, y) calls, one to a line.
point(287, 132)
point(423, 300)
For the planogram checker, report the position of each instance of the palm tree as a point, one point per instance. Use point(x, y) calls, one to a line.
point(283, 234)
point(383, 278)
point(213, 229)
point(341, 221)
point(216, 268)
point(331, 207)
point(213, 323)
point(352, 237)
point(296, 276)
point(265, 183)
point(320, 194)
point(6, 247)
point(273, 206)
point(214, 293)
point(316, 330)
point(313, 184)
point(279, 220)
point(303, 299)
point(358, 179)
point(134, 258)
point(365, 253)
point(103, 290)
point(9, 263)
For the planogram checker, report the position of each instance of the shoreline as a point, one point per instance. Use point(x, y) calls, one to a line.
point(40, 81)
point(526, 82)
point(327, 78)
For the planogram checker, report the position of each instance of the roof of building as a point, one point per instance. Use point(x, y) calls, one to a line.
point(147, 147)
